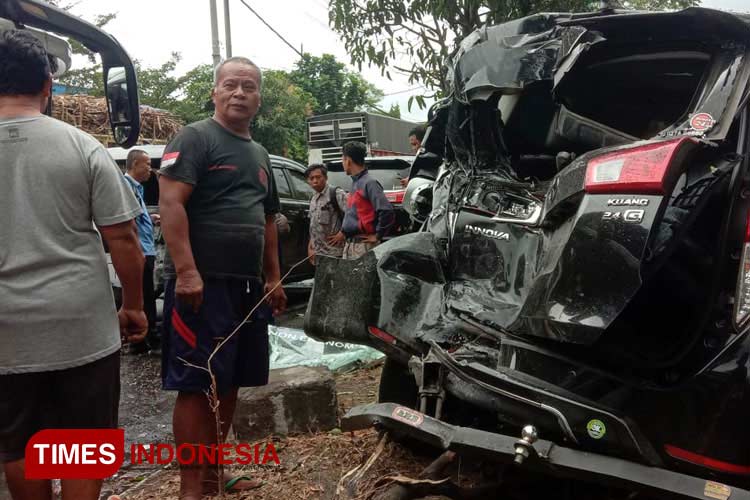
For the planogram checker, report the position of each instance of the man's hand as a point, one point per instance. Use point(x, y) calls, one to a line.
point(133, 325)
point(156, 219)
point(371, 238)
point(311, 255)
point(337, 239)
point(277, 299)
point(189, 289)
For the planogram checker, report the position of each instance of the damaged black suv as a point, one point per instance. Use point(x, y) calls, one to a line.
point(583, 267)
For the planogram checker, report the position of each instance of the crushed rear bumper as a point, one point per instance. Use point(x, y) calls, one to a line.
point(542, 456)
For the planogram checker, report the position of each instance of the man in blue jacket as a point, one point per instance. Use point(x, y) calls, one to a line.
point(369, 215)
point(138, 170)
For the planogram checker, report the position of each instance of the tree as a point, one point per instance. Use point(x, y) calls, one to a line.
point(427, 32)
point(157, 87)
point(334, 88)
point(395, 111)
point(195, 100)
point(90, 77)
point(280, 123)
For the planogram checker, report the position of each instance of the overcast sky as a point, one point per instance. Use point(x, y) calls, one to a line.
point(150, 30)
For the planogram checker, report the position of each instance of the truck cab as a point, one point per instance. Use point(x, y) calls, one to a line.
point(54, 26)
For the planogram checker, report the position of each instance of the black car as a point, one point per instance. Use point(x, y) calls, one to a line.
point(294, 193)
point(388, 170)
point(578, 299)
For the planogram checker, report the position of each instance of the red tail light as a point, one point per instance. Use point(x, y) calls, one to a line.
point(711, 463)
point(384, 336)
point(742, 299)
point(639, 170)
point(395, 196)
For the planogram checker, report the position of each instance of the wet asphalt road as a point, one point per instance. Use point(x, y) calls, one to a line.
point(146, 410)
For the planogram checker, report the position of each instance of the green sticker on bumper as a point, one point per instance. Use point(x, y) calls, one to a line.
point(596, 429)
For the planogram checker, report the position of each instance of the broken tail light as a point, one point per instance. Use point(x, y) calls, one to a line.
point(742, 299)
point(395, 196)
point(384, 336)
point(638, 170)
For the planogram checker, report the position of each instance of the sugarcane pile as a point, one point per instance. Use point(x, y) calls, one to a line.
point(89, 114)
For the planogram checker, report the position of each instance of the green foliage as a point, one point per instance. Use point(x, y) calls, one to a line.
point(426, 33)
point(157, 86)
point(334, 88)
point(280, 123)
point(89, 78)
point(395, 111)
point(195, 100)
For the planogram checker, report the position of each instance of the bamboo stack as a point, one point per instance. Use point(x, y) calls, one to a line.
point(90, 115)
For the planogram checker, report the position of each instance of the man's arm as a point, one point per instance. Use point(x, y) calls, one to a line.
point(127, 258)
point(173, 195)
point(271, 269)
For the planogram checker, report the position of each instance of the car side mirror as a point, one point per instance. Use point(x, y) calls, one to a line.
point(122, 104)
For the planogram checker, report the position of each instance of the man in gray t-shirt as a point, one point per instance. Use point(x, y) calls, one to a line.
point(60, 334)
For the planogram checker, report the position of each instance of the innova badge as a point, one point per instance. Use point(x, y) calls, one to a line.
point(490, 233)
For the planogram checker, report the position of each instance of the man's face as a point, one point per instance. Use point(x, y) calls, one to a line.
point(347, 163)
point(317, 180)
point(141, 170)
point(237, 92)
point(414, 142)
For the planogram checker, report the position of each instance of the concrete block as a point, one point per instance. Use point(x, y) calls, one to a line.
point(296, 400)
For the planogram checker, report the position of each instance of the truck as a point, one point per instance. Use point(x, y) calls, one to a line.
point(383, 135)
point(53, 26)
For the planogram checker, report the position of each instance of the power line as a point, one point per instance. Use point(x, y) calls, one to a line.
point(271, 28)
point(404, 91)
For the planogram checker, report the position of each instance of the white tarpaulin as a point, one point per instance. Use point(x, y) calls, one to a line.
point(291, 347)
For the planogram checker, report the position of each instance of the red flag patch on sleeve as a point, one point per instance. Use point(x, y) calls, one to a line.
point(169, 159)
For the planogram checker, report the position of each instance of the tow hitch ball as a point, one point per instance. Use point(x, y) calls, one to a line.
point(525, 445)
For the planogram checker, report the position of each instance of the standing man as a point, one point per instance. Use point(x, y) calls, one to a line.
point(415, 138)
point(327, 208)
point(415, 141)
point(369, 215)
point(218, 203)
point(138, 170)
point(60, 334)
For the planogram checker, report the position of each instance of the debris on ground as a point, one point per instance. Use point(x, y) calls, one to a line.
point(291, 347)
point(312, 465)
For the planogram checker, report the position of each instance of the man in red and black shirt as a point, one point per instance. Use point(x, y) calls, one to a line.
point(369, 215)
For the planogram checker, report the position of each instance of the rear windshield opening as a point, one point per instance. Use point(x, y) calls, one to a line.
point(637, 91)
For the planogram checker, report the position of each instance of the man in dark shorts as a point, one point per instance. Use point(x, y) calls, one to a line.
point(218, 202)
point(59, 332)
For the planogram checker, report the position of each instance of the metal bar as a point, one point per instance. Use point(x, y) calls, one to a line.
point(214, 34)
point(227, 29)
point(548, 459)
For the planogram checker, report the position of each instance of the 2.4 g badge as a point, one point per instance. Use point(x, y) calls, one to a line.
point(629, 216)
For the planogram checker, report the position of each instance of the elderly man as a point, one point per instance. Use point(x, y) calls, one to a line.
point(59, 332)
point(137, 171)
point(218, 203)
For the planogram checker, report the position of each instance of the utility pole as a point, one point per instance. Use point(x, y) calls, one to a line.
point(227, 29)
point(214, 34)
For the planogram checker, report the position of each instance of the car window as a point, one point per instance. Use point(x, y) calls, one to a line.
point(282, 186)
point(302, 188)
